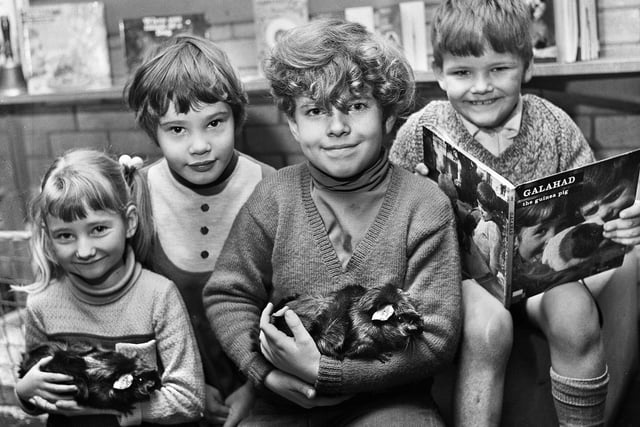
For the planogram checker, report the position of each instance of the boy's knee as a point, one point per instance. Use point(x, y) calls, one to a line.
point(572, 322)
point(487, 330)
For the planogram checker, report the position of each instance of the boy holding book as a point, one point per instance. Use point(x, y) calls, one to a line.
point(482, 55)
point(344, 217)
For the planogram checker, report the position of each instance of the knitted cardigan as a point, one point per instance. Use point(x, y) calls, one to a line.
point(548, 141)
point(278, 246)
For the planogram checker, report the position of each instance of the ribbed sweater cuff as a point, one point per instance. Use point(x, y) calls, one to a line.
point(258, 371)
point(329, 376)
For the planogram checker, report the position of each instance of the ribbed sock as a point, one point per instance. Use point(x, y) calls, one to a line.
point(580, 402)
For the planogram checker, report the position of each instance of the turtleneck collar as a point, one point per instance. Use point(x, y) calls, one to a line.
point(99, 295)
point(211, 188)
point(366, 180)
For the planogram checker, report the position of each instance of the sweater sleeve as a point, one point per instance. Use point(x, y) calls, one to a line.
point(181, 397)
point(572, 145)
point(433, 278)
point(406, 150)
point(238, 290)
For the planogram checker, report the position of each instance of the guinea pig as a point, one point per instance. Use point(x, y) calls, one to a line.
point(572, 246)
point(356, 322)
point(104, 379)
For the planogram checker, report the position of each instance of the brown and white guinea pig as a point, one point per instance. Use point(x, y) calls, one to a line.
point(105, 379)
point(356, 322)
point(572, 246)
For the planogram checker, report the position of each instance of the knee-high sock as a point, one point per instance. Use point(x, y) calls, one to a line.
point(580, 402)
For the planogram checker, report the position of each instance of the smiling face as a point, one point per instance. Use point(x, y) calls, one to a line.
point(93, 247)
point(531, 240)
point(340, 143)
point(607, 207)
point(198, 145)
point(483, 89)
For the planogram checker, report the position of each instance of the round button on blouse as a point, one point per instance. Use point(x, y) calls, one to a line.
point(204, 254)
point(204, 207)
point(204, 230)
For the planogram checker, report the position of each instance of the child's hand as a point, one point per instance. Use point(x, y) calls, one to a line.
point(421, 169)
point(70, 408)
point(626, 228)
point(297, 355)
point(215, 411)
point(239, 403)
point(297, 391)
point(48, 386)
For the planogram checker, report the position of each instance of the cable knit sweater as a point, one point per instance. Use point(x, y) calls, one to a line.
point(278, 246)
point(548, 141)
point(142, 314)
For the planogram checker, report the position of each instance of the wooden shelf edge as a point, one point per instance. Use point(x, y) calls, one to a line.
point(258, 85)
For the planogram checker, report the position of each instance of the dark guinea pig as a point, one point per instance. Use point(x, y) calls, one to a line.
point(355, 322)
point(105, 379)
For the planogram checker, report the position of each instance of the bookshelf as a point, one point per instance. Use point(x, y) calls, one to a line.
point(256, 86)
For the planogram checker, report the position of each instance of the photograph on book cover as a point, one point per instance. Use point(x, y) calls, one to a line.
point(140, 35)
point(481, 206)
point(520, 240)
point(558, 223)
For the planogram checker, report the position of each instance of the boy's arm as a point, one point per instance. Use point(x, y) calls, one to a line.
point(236, 293)
point(571, 144)
point(406, 150)
point(433, 278)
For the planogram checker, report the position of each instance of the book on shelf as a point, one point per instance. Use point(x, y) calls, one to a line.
point(10, 49)
point(65, 47)
point(520, 239)
point(139, 35)
point(272, 18)
point(588, 29)
point(575, 25)
point(403, 23)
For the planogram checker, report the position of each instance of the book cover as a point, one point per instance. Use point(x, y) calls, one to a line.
point(364, 15)
point(403, 23)
point(566, 26)
point(65, 47)
point(271, 18)
point(10, 49)
point(415, 39)
point(141, 34)
point(520, 239)
point(588, 29)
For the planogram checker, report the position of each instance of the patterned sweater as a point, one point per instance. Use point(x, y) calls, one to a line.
point(278, 246)
point(548, 141)
point(143, 315)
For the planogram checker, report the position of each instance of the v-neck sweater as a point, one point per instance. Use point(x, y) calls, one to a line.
point(548, 141)
point(278, 246)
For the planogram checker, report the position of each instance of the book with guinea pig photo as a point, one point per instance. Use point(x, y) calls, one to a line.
point(520, 239)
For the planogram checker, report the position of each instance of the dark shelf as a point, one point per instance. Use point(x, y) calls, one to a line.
point(258, 85)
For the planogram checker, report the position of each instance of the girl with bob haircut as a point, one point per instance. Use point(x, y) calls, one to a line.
point(189, 100)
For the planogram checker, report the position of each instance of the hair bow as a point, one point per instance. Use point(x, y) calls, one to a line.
point(129, 162)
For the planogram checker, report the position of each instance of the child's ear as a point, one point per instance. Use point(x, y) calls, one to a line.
point(389, 122)
point(293, 127)
point(528, 72)
point(437, 72)
point(131, 217)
